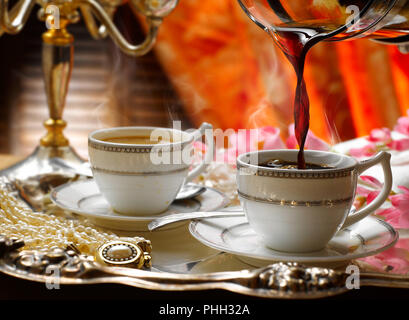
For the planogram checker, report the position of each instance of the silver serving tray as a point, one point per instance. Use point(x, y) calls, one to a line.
point(280, 280)
point(184, 264)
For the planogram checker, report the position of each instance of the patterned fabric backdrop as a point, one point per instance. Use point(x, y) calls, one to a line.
point(229, 72)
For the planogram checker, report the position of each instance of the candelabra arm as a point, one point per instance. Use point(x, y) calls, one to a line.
point(12, 22)
point(97, 32)
point(115, 34)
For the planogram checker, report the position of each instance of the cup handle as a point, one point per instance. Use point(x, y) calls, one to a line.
point(209, 150)
point(384, 159)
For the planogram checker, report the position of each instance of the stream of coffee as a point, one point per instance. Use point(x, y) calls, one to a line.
point(295, 43)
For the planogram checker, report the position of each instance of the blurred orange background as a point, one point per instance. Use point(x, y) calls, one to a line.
point(228, 72)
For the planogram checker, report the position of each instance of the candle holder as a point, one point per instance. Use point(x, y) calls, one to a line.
point(57, 61)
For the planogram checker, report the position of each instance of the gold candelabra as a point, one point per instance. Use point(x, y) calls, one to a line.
point(57, 60)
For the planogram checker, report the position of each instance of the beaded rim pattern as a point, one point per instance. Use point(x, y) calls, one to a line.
point(287, 174)
point(137, 148)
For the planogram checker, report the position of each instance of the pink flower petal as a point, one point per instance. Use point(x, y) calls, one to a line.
point(400, 201)
point(372, 196)
point(388, 213)
point(404, 189)
point(273, 143)
point(314, 143)
point(391, 215)
point(366, 151)
point(376, 262)
point(250, 140)
point(380, 135)
point(399, 145)
point(268, 131)
point(311, 143)
point(395, 217)
point(292, 142)
point(272, 138)
point(361, 191)
point(403, 221)
point(395, 259)
point(372, 181)
point(403, 244)
point(402, 125)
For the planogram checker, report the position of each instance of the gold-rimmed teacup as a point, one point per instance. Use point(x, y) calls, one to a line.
point(301, 210)
point(143, 178)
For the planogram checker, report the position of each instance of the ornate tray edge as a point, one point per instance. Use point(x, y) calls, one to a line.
point(68, 267)
point(280, 280)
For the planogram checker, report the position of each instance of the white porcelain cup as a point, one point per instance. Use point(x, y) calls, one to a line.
point(301, 210)
point(144, 179)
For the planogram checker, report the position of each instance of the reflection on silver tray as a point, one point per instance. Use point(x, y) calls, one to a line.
point(280, 280)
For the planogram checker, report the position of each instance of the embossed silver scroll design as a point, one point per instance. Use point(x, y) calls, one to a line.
point(280, 280)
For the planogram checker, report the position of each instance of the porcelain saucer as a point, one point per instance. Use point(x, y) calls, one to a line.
point(85, 199)
point(234, 235)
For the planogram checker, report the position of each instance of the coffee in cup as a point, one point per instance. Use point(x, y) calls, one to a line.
point(301, 210)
